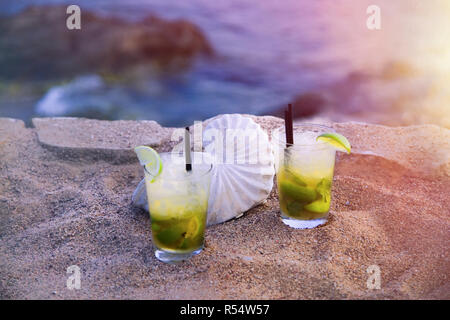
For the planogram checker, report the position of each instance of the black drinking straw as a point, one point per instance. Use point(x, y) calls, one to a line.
point(288, 126)
point(187, 149)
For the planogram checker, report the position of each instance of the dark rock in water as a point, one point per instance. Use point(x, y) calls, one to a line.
point(304, 105)
point(36, 44)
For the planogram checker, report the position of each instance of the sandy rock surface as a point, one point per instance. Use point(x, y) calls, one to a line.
point(62, 206)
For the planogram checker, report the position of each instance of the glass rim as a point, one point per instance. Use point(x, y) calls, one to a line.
point(191, 177)
point(318, 144)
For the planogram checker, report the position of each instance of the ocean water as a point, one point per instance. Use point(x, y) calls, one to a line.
point(268, 52)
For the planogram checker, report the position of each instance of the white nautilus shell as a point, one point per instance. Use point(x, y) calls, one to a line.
point(139, 197)
point(243, 169)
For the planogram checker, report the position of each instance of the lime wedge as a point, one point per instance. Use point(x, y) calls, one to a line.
point(324, 189)
point(193, 227)
point(318, 206)
point(337, 140)
point(302, 194)
point(150, 159)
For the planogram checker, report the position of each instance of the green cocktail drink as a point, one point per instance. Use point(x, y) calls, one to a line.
point(304, 176)
point(178, 205)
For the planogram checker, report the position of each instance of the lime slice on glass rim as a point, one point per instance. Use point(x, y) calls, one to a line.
point(336, 140)
point(149, 159)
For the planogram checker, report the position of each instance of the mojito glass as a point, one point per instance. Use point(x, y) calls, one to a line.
point(178, 205)
point(304, 175)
